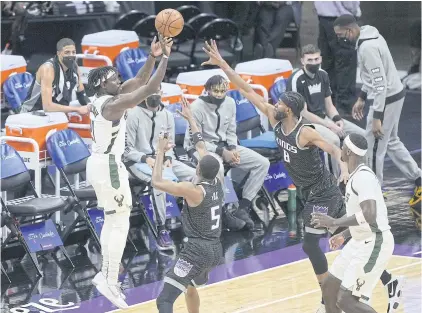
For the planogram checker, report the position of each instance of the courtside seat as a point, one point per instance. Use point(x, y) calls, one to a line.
point(37, 206)
point(16, 88)
point(130, 61)
point(86, 194)
point(277, 89)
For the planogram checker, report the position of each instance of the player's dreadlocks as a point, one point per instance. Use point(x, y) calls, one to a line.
point(294, 100)
point(98, 75)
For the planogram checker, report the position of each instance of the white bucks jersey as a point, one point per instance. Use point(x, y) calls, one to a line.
point(364, 185)
point(108, 137)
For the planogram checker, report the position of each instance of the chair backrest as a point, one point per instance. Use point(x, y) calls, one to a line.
point(247, 118)
point(16, 88)
point(277, 89)
point(129, 62)
point(68, 151)
point(128, 20)
point(14, 173)
point(188, 11)
point(200, 20)
point(180, 124)
point(145, 28)
point(219, 29)
point(188, 33)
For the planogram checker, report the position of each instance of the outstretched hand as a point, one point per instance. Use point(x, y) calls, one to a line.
point(156, 50)
point(164, 143)
point(165, 43)
point(213, 53)
point(186, 111)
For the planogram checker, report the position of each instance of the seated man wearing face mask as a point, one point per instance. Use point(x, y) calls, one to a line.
point(56, 81)
point(314, 85)
point(215, 115)
point(144, 125)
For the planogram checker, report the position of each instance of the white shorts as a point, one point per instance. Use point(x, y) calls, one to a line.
point(110, 180)
point(361, 263)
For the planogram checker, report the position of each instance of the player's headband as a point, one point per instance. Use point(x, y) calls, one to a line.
point(103, 79)
point(356, 150)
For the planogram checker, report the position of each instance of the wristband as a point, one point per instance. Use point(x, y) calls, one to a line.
point(360, 218)
point(197, 137)
point(152, 55)
point(336, 118)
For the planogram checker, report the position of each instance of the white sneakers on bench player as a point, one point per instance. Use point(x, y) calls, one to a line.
point(112, 292)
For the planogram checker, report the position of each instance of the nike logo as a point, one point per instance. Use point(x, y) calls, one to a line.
point(367, 241)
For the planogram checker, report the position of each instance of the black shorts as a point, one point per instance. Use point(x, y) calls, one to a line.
point(194, 263)
point(326, 198)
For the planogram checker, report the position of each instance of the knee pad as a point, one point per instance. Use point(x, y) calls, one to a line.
point(316, 256)
point(167, 297)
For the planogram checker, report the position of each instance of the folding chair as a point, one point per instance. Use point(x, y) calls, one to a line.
point(128, 20)
point(130, 61)
point(188, 11)
point(28, 219)
point(277, 89)
point(16, 89)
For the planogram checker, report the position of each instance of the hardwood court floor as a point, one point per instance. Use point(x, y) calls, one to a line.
point(289, 288)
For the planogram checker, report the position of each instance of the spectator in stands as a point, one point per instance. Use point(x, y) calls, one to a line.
point(273, 19)
point(57, 80)
point(338, 60)
point(215, 115)
point(415, 46)
point(144, 125)
point(313, 84)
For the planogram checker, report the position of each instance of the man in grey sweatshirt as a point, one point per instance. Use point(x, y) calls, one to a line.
point(383, 91)
point(144, 124)
point(215, 115)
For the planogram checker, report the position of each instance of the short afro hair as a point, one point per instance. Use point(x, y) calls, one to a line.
point(63, 43)
point(209, 167)
point(345, 20)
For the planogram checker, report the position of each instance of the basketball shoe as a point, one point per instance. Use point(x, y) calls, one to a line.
point(112, 292)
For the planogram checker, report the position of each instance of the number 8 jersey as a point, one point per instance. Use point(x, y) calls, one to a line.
point(304, 164)
point(204, 220)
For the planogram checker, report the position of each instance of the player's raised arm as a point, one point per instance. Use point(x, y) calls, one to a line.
point(114, 108)
point(309, 136)
point(247, 91)
point(196, 133)
point(187, 190)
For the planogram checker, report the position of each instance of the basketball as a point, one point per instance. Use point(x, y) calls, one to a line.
point(169, 23)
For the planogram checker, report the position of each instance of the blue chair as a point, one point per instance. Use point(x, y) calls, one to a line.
point(16, 89)
point(69, 154)
point(27, 217)
point(277, 89)
point(130, 61)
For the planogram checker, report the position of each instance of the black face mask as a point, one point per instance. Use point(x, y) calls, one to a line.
point(154, 101)
point(312, 68)
point(280, 115)
point(213, 100)
point(69, 61)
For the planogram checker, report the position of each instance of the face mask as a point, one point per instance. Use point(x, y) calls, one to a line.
point(69, 61)
point(312, 68)
point(214, 100)
point(345, 42)
point(280, 115)
point(154, 101)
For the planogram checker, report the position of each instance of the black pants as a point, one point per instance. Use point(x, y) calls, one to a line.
point(272, 24)
point(340, 63)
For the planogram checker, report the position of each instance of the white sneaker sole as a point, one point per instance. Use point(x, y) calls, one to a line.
point(395, 301)
point(106, 292)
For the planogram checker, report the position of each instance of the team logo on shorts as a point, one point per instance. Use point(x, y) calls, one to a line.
point(359, 284)
point(182, 268)
point(119, 200)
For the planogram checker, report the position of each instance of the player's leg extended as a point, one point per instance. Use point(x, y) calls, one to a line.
point(192, 300)
point(364, 271)
point(330, 288)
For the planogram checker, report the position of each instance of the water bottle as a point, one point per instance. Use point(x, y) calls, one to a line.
point(291, 208)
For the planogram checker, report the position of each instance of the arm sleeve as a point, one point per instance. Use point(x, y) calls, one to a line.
point(170, 124)
point(130, 151)
point(231, 130)
point(371, 60)
point(366, 185)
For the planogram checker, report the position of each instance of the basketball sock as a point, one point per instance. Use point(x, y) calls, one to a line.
point(117, 242)
point(385, 277)
point(322, 298)
point(105, 242)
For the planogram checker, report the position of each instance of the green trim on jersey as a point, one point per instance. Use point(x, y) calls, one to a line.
point(369, 266)
point(114, 172)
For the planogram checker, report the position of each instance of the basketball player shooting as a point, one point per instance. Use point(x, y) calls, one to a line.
point(300, 145)
point(356, 271)
point(105, 170)
point(203, 202)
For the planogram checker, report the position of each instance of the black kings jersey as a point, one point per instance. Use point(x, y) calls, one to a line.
point(204, 220)
point(304, 165)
